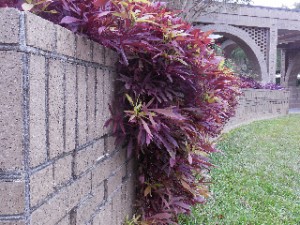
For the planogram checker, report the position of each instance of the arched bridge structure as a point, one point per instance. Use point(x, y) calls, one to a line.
point(260, 32)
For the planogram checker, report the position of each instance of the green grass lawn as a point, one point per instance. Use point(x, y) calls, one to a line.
point(258, 176)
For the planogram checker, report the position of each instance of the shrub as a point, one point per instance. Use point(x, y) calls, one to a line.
point(250, 82)
point(175, 95)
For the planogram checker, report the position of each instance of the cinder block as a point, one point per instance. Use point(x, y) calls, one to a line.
point(99, 149)
point(38, 151)
point(80, 189)
point(63, 170)
point(116, 209)
point(98, 192)
point(12, 197)
point(82, 109)
point(87, 208)
point(83, 48)
point(105, 216)
point(40, 32)
point(13, 222)
point(100, 173)
point(65, 41)
point(110, 144)
point(65, 221)
point(41, 185)
point(117, 160)
point(104, 169)
point(61, 204)
point(86, 158)
point(91, 100)
point(115, 181)
point(11, 116)
point(100, 120)
point(56, 104)
point(111, 57)
point(9, 23)
point(128, 197)
point(109, 92)
point(71, 106)
point(98, 53)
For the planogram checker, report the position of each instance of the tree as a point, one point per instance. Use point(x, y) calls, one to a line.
point(194, 8)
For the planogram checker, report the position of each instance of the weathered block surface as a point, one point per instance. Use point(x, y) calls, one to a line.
point(37, 105)
point(40, 33)
point(12, 198)
point(9, 23)
point(41, 185)
point(11, 116)
point(65, 42)
point(56, 107)
point(82, 114)
point(71, 106)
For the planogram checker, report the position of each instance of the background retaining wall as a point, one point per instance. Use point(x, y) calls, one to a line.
point(259, 104)
point(58, 165)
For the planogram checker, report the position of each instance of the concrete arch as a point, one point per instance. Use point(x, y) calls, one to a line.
point(228, 46)
point(249, 46)
point(293, 70)
point(291, 81)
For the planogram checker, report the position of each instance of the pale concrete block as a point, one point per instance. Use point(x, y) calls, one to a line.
point(100, 173)
point(71, 106)
point(91, 98)
point(82, 113)
point(12, 197)
point(98, 53)
point(110, 144)
point(111, 57)
point(65, 221)
point(61, 204)
point(116, 209)
point(109, 92)
point(9, 23)
point(38, 151)
point(41, 185)
point(11, 125)
point(56, 104)
point(100, 120)
point(86, 158)
point(40, 32)
point(13, 222)
point(85, 211)
point(105, 216)
point(65, 41)
point(128, 197)
point(115, 181)
point(83, 48)
point(63, 170)
point(99, 149)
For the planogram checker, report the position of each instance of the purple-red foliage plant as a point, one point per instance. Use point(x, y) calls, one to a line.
point(250, 82)
point(175, 95)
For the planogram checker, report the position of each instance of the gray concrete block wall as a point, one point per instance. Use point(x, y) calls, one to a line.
point(294, 96)
point(259, 104)
point(58, 165)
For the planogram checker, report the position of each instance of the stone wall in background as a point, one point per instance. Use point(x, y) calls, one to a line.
point(294, 96)
point(58, 165)
point(259, 104)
